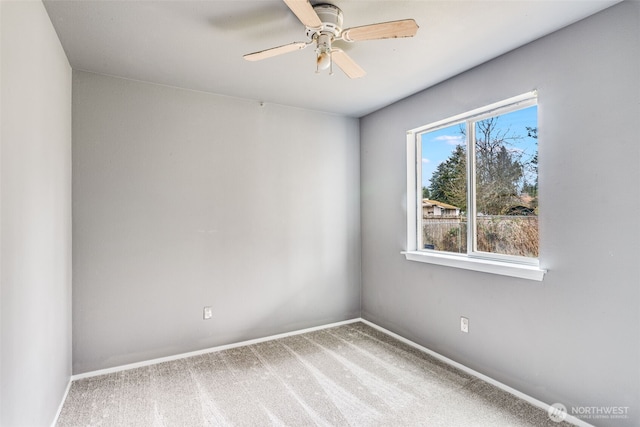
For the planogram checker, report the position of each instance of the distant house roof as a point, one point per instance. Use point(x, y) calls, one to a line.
point(427, 202)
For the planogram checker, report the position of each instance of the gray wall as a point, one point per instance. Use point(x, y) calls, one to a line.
point(35, 217)
point(184, 199)
point(574, 338)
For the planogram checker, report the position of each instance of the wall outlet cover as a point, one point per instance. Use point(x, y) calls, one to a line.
point(464, 324)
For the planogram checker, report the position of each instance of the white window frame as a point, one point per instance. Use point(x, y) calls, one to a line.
point(507, 265)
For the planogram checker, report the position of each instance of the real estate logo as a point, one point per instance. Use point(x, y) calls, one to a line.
point(557, 412)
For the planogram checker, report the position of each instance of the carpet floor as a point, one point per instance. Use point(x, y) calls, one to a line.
point(350, 375)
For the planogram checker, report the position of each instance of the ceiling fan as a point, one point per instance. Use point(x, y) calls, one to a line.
point(323, 24)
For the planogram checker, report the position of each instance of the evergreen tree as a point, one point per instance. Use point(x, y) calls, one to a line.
point(449, 180)
point(425, 192)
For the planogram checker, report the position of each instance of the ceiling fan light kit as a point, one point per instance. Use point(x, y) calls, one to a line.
point(323, 24)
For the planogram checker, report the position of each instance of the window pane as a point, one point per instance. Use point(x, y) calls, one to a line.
point(444, 190)
point(506, 180)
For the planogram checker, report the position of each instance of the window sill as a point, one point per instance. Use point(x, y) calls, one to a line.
point(521, 271)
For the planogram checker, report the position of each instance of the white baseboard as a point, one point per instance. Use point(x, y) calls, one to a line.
point(535, 402)
point(207, 350)
point(64, 398)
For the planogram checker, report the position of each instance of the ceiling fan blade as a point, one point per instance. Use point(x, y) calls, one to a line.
point(346, 64)
point(383, 30)
point(305, 13)
point(275, 51)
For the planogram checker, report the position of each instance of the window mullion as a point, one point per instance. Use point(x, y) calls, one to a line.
point(418, 193)
point(471, 187)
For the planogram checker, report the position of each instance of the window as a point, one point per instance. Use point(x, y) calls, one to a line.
point(473, 190)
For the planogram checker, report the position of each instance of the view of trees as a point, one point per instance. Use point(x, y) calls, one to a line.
point(425, 192)
point(449, 181)
point(501, 172)
point(506, 185)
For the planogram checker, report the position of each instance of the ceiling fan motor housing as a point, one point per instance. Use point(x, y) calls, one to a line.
point(331, 18)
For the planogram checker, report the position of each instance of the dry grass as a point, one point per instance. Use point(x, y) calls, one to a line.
point(508, 235)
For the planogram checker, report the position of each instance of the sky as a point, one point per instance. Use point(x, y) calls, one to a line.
point(438, 145)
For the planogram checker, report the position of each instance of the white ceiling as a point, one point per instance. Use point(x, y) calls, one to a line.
point(199, 45)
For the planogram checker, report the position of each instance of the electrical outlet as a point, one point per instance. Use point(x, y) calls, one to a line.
point(464, 324)
point(207, 313)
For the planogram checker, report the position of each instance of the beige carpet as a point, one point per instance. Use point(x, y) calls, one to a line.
point(351, 375)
